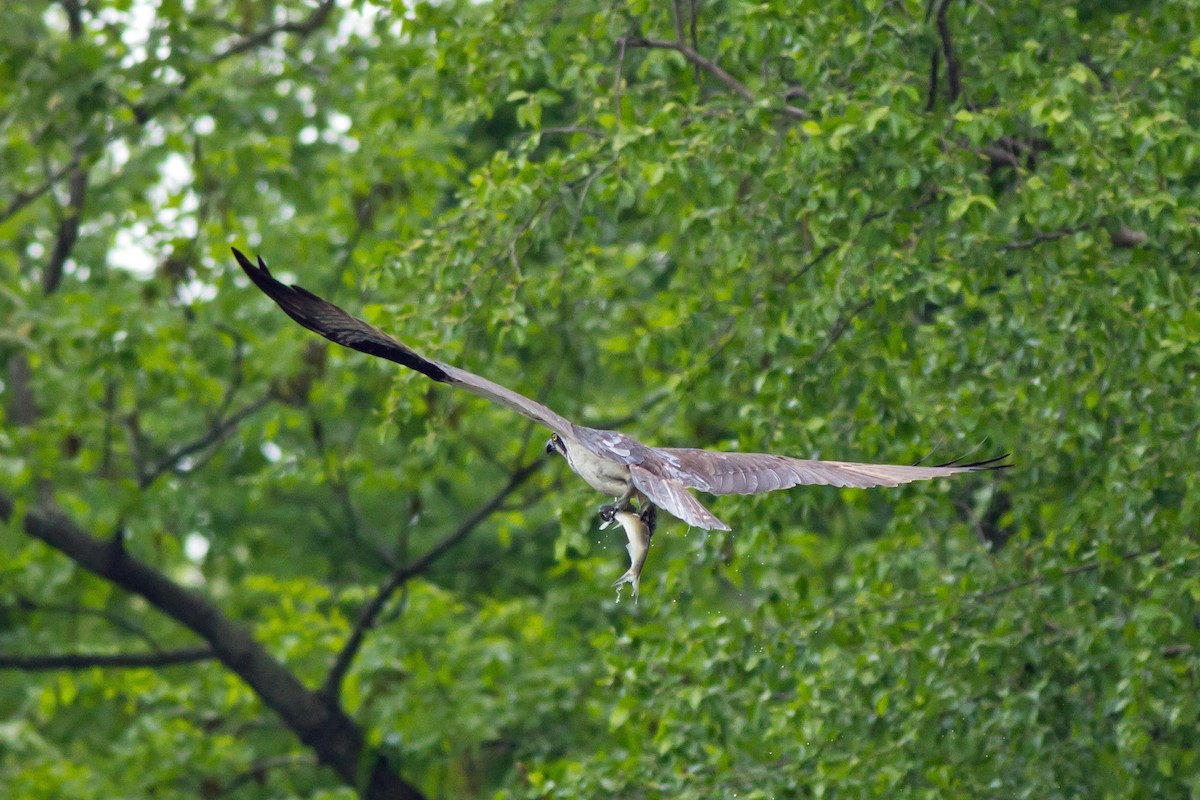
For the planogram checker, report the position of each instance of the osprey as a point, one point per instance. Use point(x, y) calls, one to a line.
point(611, 462)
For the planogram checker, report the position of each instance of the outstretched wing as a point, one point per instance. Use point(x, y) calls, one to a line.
point(752, 473)
point(337, 326)
point(674, 497)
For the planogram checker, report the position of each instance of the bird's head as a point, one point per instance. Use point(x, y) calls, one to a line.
point(555, 444)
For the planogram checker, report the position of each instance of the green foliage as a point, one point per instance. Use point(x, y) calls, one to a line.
point(825, 255)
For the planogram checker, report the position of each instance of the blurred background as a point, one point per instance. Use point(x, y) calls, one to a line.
point(877, 230)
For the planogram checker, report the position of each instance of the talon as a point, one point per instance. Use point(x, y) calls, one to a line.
point(608, 515)
point(649, 517)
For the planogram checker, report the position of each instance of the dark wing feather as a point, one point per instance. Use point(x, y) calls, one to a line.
point(752, 473)
point(674, 498)
point(337, 326)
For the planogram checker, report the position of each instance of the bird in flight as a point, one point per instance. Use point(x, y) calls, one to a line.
point(610, 462)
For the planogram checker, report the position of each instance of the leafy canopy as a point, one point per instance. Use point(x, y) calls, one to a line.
point(855, 230)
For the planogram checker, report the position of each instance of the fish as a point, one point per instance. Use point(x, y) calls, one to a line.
point(639, 534)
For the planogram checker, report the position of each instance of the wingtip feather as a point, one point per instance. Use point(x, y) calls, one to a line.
point(255, 273)
point(979, 466)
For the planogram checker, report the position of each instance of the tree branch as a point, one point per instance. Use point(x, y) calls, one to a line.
point(164, 658)
point(711, 67)
point(839, 328)
point(981, 595)
point(302, 28)
point(22, 199)
point(953, 68)
point(22, 406)
point(1047, 236)
point(29, 605)
point(1038, 580)
point(338, 742)
point(679, 37)
point(257, 772)
point(934, 61)
point(218, 431)
point(68, 228)
point(370, 613)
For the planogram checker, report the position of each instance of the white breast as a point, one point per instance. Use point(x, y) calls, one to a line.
point(601, 474)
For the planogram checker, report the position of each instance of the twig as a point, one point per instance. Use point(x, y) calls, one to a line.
point(709, 66)
point(340, 486)
point(839, 328)
point(23, 199)
point(678, 21)
point(371, 611)
point(217, 432)
point(164, 658)
point(28, 604)
point(257, 771)
point(566, 129)
point(236, 373)
point(1047, 236)
point(826, 251)
point(22, 405)
point(68, 226)
point(618, 80)
point(987, 594)
point(303, 28)
point(692, 30)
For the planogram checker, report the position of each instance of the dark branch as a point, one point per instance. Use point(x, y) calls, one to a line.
point(970, 598)
point(302, 29)
point(679, 37)
point(338, 742)
point(1124, 236)
point(23, 199)
point(258, 770)
point(165, 658)
point(567, 129)
point(1047, 236)
point(934, 61)
point(68, 229)
point(29, 605)
point(692, 30)
point(217, 432)
point(22, 406)
point(839, 328)
point(1001, 156)
point(711, 67)
point(953, 68)
point(370, 613)
point(74, 11)
point(826, 251)
point(1038, 580)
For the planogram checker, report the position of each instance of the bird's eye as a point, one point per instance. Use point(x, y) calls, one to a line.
point(554, 438)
